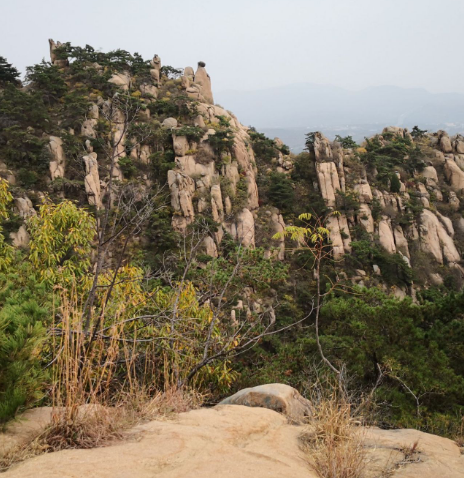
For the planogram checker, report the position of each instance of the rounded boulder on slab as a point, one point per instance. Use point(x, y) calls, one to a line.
point(274, 396)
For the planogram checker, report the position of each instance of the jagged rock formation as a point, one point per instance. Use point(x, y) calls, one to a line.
point(414, 213)
point(53, 57)
point(431, 231)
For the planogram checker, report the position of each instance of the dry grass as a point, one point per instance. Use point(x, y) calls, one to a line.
point(332, 441)
point(96, 425)
point(97, 393)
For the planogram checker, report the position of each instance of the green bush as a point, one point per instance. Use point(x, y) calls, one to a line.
point(25, 308)
point(281, 193)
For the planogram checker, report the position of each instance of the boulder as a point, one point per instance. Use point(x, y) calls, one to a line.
point(278, 226)
point(180, 144)
point(445, 143)
point(24, 207)
point(245, 225)
point(274, 396)
point(430, 172)
point(454, 174)
point(210, 246)
point(21, 237)
point(121, 79)
point(88, 128)
point(53, 57)
point(169, 123)
point(149, 91)
point(230, 441)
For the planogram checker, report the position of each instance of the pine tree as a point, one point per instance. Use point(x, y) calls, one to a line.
point(8, 73)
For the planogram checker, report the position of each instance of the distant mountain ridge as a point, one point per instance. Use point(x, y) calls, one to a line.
point(294, 108)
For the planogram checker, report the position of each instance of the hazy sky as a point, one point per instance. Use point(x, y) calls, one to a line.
point(252, 44)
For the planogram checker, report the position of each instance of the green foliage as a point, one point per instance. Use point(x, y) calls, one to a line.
point(310, 138)
point(47, 79)
point(281, 193)
point(177, 105)
point(395, 183)
point(19, 108)
point(6, 251)
point(162, 162)
point(61, 238)
point(222, 141)
point(348, 201)
point(418, 133)
point(253, 271)
point(346, 142)
point(264, 148)
point(171, 72)
point(394, 269)
point(8, 73)
point(408, 342)
point(115, 60)
point(128, 167)
point(193, 133)
point(25, 306)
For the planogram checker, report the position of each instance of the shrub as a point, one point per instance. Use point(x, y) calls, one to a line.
point(281, 193)
point(347, 141)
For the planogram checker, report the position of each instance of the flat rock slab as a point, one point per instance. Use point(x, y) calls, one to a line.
point(433, 456)
point(220, 442)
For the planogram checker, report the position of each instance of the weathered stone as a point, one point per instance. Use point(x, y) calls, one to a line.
point(210, 246)
point(182, 188)
point(180, 143)
point(445, 143)
point(24, 207)
point(328, 182)
point(435, 239)
point(149, 91)
point(203, 80)
point(386, 238)
point(57, 160)
point(21, 237)
point(454, 175)
point(122, 80)
point(454, 201)
point(169, 123)
point(189, 72)
point(430, 172)
point(92, 180)
point(365, 218)
point(274, 396)
point(88, 128)
point(401, 242)
point(217, 207)
point(322, 148)
point(53, 57)
point(364, 192)
point(278, 227)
